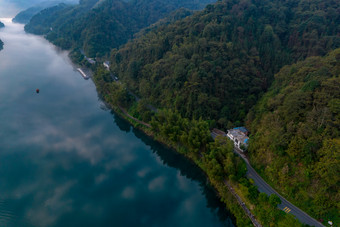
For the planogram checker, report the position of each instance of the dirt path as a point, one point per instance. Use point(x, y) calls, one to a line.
point(133, 118)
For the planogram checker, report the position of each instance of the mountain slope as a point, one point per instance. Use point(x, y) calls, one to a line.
point(106, 25)
point(296, 134)
point(218, 62)
point(25, 16)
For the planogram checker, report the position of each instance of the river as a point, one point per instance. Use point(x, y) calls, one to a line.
point(65, 160)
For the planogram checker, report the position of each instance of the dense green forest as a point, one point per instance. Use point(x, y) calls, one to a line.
point(218, 62)
point(25, 16)
point(192, 138)
point(216, 68)
point(98, 27)
point(60, 15)
point(295, 139)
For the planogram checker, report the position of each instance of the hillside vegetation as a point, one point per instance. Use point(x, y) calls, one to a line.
point(99, 27)
point(192, 138)
point(25, 16)
point(296, 134)
point(218, 62)
point(58, 16)
point(216, 68)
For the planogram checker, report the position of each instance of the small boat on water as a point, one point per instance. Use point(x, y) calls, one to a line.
point(37, 90)
point(83, 74)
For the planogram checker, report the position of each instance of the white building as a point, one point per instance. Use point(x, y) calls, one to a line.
point(239, 136)
point(107, 65)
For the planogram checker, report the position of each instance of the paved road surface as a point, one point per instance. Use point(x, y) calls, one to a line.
point(286, 206)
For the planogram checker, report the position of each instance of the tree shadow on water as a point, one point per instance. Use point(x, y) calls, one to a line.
point(186, 167)
point(122, 124)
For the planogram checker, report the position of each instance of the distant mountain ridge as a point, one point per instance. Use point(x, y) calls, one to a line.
point(25, 16)
point(105, 26)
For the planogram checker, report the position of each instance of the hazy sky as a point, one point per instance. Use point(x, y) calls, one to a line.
point(9, 8)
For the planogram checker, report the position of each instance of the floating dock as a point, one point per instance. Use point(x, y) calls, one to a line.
point(83, 74)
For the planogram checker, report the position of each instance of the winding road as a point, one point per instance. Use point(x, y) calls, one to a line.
point(262, 186)
point(285, 205)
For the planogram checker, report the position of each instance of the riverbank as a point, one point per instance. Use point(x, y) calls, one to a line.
point(220, 188)
point(192, 139)
point(231, 201)
point(98, 160)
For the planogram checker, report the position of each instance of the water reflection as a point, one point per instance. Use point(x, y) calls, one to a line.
point(64, 162)
point(186, 168)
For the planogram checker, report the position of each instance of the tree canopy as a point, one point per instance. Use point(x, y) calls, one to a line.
point(262, 63)
point(97, 27)
point(25, 16)
point(296, 134)
point(218, 62)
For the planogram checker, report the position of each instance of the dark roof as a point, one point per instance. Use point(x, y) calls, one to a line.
point(219, 132)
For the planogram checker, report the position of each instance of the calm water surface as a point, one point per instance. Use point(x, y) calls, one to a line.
point(66, 161)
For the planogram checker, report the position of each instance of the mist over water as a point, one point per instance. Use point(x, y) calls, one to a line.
point(65, 160)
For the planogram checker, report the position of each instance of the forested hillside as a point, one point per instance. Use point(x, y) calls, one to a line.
point(106, 25)
point(216, 65)
point(296, 134)
point(25, 16)
point(218, 62)
point(214, 69)
point(57, 16)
